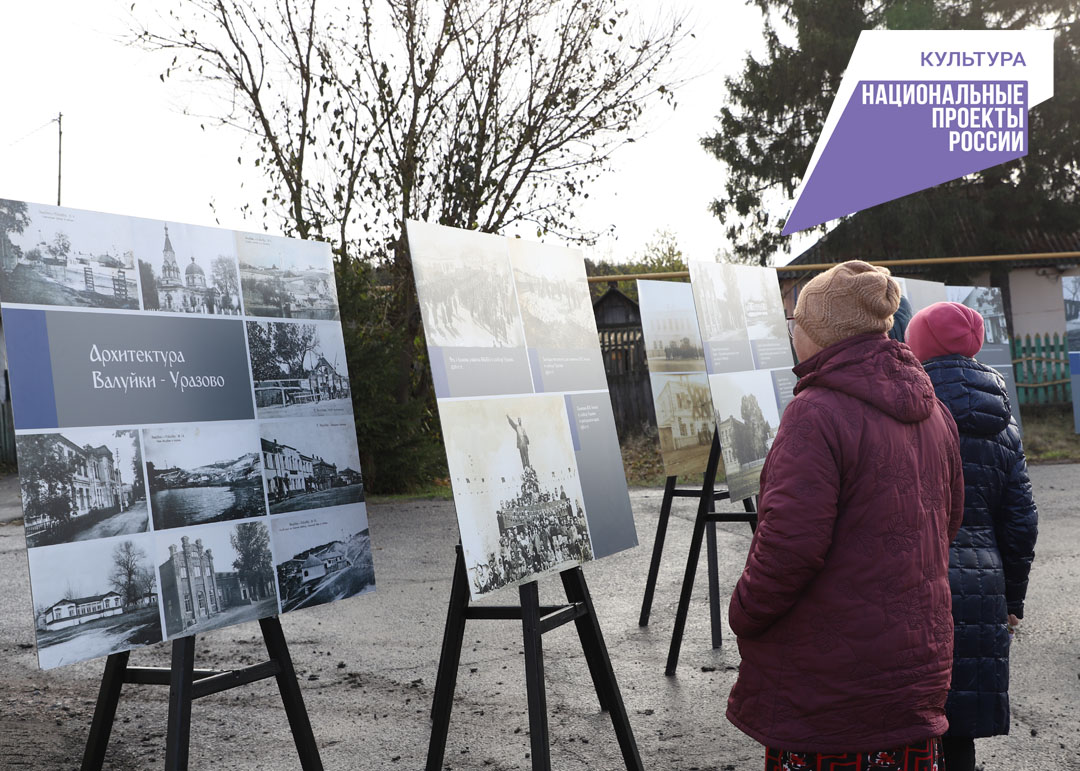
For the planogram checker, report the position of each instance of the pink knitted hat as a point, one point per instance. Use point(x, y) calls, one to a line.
point(945, 328)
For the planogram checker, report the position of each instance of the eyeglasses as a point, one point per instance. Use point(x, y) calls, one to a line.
point(791, 326)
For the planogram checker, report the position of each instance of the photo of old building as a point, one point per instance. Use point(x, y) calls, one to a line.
point(670, 327)
point(310, 464)
point(299, 369)
point(747, 418)
point(286, 278)
point(187, 269)
point(721, 317)
point(684, 421)
point(81, 484)
point(323, 556)
point(50, 255)
point(216, 576)
point(93, 598)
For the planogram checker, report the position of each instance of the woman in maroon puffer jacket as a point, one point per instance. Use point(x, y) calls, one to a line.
point(843, 612)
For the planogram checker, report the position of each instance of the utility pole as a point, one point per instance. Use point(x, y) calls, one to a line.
point(59, 152)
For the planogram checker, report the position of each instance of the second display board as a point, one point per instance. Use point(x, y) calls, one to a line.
point(530, 437)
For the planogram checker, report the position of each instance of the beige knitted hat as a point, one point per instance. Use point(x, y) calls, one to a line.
point(849, 299)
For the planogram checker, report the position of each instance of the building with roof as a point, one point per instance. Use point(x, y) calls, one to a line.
point(189, 293)
point(325, 381)
point(93, 483)
point(72, 612)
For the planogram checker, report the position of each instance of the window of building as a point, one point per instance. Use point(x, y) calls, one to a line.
point(183, 572)
point(202, 601)
point(187, 604)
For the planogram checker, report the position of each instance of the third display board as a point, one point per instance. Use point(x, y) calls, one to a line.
point(530, 437)
point(748, 359)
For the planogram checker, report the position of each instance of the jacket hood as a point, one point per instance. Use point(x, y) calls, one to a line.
point(974, 393)
point(873, 369)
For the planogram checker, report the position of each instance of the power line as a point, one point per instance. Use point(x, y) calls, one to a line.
point(46, 124)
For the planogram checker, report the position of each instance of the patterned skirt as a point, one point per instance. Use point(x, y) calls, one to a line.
point(922, 756)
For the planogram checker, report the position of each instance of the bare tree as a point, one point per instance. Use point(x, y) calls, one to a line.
point(128, 569)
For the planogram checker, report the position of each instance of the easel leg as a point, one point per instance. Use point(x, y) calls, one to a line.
point(446, 680)
point(657, 551)
point(180, 694)
point(704, 504)
point(534, 676)
point(290, 694)
point(607, 688)
point(105, 711)
point(714, 586)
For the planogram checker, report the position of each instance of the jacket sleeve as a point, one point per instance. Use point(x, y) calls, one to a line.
point(1017, 527)
point(798, 504)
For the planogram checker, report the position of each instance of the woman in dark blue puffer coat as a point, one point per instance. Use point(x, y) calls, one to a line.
point(991, 556)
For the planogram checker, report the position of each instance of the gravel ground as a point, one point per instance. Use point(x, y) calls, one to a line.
point(367, 665)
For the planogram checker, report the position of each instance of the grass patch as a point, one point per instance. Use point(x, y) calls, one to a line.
point(1049, 435)
point(645, 467)
point(436, 490)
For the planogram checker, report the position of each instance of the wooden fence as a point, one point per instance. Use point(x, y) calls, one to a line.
point(623, 350)
point(1041, 365)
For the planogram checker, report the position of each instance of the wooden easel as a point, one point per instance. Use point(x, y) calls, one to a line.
point(187, 684)
point(704, 524)
point(536, 619)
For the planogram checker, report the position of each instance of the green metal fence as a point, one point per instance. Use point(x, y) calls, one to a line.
point(1041, 365)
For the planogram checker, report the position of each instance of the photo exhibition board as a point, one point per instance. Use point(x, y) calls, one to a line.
point(1070, 290)
point(748, 359)
point(680, 385)
point(519, 378)
point(997, 349)
point(183, 425)
point(921, 294)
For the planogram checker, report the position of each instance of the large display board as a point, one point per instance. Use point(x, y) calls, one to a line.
point(748, 359)
point(997, 350)
point(183, 423)
point(530, 436)
point(921, 293)
point(1070, 290)
point(680, 384)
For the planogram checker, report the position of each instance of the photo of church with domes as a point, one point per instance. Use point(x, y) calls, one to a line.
point(187, 269)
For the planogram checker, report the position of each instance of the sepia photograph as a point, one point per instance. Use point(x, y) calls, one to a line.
point(286, 278)
point(466, 288)
point(299, 369)
point(310, 464)
point(215, 576)
point(721, 318)
point(51, 255)
point(186, 268)
point(684, 420)
point(747, 418)
point(322, 556)
point(516, 488)
point(553, 295)
point(670, 326)
point(203, 472)
point(94, 598)
point(81, 484)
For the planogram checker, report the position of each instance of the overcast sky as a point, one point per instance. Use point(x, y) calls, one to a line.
point(128, 149)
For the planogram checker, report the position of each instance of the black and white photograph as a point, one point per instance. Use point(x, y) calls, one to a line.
point(670, 326)
point(466, 288)
point(553, 295)
point(94, 598)
point(1070, 289)
point(921, 293)
point(203, 472)
point(987, 302)
point(766, 322)
point(322, 556)
point(746, 420)
point(310, 464)
point(721, 317)
point(81, 484)
point(51, 255)
point(684, 420)
point(286, 278)
point(516, 488)
point(299, 369)
point(215, 576)
point(186, 268)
